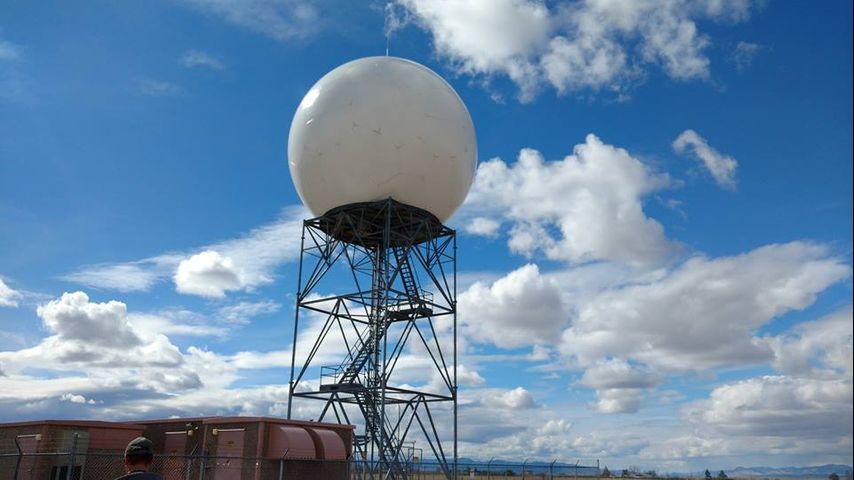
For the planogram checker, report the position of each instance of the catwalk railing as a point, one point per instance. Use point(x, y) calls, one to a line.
point(71, 465)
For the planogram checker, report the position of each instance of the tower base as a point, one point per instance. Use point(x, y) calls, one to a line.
point(398, 265)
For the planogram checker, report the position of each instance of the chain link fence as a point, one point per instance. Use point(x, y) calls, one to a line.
point(105, 466)
point(505, 471)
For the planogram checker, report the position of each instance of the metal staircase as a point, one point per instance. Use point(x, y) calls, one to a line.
point(376, 427)
point(363, 348)
point(415, 298)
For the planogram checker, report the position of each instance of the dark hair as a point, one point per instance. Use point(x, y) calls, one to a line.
point(139, 458)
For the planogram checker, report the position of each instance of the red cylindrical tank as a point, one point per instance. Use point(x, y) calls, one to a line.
point(290, 441)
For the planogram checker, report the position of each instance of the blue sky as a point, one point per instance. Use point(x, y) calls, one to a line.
point(690, 249)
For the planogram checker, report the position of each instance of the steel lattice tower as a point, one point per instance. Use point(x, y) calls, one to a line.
point(397, 264)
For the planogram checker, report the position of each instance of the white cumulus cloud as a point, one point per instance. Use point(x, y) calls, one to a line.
point(804, 410)
point(722, 167)
point(482, 226)
point(98, 339)
point(777, 406)
point(74, 398)
point(705, 312)
point(208, 274)
point(516, 399)
point(619, 386)
point(817, 349)
point(73, 317)
point(488, 37)
point(522, 308)
point(587, 206)
point(8, 296)
point(587, 44)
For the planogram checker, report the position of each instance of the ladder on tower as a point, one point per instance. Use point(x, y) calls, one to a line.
point(359, 356)
point(385, 438)
point(416, 306)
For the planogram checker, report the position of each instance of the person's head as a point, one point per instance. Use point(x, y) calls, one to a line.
point(139, 454)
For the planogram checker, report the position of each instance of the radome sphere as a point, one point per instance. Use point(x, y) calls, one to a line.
point(382, 127)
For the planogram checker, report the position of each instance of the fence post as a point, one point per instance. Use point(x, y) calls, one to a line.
point(188, 466)
point(282, 463)
point(489, 469)
point(20, 454)
point(68, 474)
point(551, 470)
point(202, 463)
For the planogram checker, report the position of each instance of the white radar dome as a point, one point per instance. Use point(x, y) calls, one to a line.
point(381, 127)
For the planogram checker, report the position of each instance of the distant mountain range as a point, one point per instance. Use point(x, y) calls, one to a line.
point(532, 466)
point(782, 472)
point(819, 471)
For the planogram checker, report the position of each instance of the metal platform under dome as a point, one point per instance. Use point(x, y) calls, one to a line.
point(373, 224)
